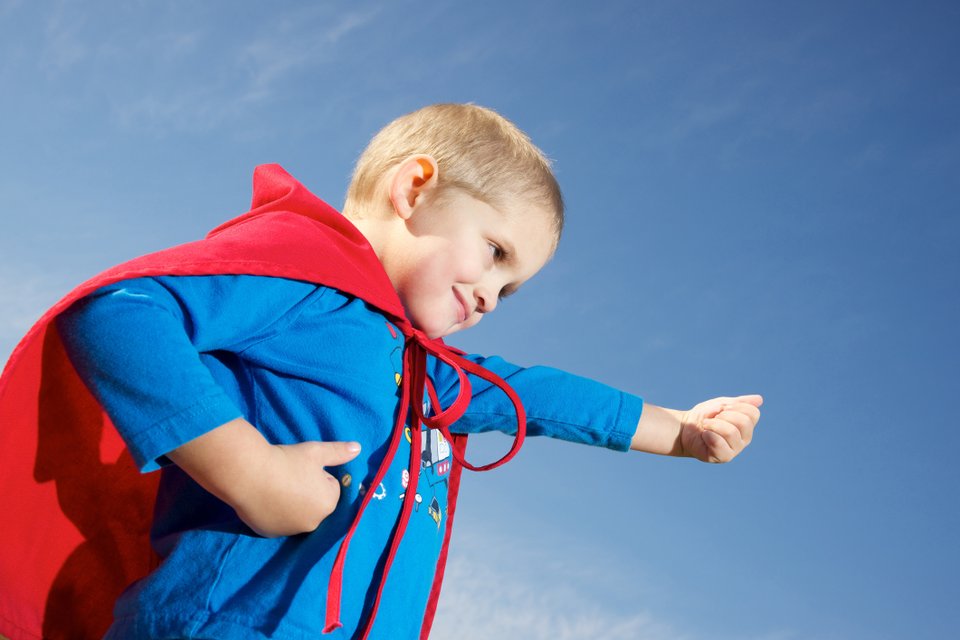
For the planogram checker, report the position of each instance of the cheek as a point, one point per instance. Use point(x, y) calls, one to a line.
point(426, 289)
point(454, 264)
point(472, 261)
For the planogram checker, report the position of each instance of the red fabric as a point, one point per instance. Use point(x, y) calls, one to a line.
point(78, 512)
point(413, 383)
point(460, 444)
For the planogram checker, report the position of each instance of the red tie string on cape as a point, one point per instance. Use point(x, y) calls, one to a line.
point(414, 381)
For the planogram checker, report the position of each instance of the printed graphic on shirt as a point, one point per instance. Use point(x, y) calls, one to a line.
point(435, 456)
point(435, 464)
point(396, 355)
point(435, 511)
point(379, 494)
point(396, 360)
point(435, 460)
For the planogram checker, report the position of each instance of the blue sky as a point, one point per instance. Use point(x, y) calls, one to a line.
point(763, 197)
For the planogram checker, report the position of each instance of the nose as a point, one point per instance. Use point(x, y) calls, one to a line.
point(486, 300)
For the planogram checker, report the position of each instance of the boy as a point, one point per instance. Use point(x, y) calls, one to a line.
point(293, 340)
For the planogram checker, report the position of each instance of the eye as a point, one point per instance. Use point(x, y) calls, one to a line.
point(497, 253)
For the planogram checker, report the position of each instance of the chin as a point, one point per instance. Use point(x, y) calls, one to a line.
point(433, 334)
point(432, 330)
point(460, 326)
point(445, 331)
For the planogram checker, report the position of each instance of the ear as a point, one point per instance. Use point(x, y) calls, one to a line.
point(414, 177)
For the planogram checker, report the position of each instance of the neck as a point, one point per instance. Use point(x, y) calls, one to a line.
point(378, 234)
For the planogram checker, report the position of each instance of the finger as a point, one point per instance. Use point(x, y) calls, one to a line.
point(331, 454)
point(712, 407)
point(729, 432)
point(754, 399)
point(741, 419)
point(751, 410)
point(717, 448)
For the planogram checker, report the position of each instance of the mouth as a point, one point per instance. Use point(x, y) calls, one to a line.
point(462, 309)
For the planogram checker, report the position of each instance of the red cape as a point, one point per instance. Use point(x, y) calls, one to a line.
point(77, 511)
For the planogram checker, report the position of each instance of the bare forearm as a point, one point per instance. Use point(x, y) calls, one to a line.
point(658, 431)
point(277, 490)
point(226, 461)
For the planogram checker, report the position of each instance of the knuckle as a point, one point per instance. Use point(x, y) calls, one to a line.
point(326, 509)
point(328, 500)
point(320, 513)
point(323, 504)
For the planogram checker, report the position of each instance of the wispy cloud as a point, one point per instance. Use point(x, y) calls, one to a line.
point(64, 44)
point(250, 73)
point(481, 604)
point(173, 77)
point(23, 298)
point(527, 594)
point(292, 44)
point(698, 116)
point(777, 88)
point(528, 591)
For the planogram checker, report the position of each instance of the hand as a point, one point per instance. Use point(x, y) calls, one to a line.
point(278, 490)
point(719, 429)
point(294, 493)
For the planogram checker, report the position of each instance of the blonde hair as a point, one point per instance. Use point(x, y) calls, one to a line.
point(477, 150)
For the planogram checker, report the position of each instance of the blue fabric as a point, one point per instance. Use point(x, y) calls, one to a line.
point(172, 357)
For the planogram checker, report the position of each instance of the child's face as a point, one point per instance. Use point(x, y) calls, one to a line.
point(459, 256)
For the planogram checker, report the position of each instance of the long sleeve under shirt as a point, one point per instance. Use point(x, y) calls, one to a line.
point(171, 358)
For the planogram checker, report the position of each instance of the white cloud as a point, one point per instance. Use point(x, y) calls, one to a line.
point(64, 44)
point(290, 45)
point(528, 594)
point(23, 298)
point(516, 588)
point(348, 23)
point(481, 603)
point(188, 109)
point(239, 73)
point(194, 76)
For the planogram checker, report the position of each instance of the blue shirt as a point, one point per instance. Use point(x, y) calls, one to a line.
point(171, 358)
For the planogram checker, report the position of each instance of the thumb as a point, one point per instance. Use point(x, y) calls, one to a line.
point(331, 454)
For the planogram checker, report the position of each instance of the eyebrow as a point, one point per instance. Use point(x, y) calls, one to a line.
point(508, 248)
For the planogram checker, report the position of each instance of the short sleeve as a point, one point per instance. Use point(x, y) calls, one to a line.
point(137, 345)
